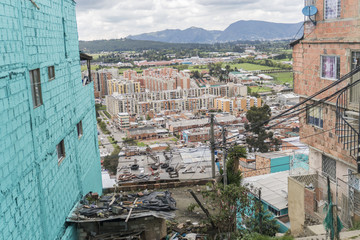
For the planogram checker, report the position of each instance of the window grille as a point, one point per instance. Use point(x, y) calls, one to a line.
point(35, 82)
point(332, 9)
point(329, 167)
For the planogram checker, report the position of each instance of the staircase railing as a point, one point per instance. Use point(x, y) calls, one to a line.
point(346, 132)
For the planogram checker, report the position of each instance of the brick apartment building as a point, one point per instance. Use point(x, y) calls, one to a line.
point(193, 99)
point(101, 78)
point(160, 79)
point(199, 134)
point(328, 51)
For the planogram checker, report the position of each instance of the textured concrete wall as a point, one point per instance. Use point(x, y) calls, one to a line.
point(37, 194)
point(296, 206)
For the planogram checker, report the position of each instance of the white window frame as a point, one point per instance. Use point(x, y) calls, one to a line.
point(327, 8)
point(337, 67)
point(35, 82)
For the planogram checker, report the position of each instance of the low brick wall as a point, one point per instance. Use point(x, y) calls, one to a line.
point(157, 185)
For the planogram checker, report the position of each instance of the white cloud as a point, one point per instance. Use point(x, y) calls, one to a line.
point(108, 19)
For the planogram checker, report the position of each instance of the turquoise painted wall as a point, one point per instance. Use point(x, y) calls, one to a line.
point(37, 194)
point(280, 164)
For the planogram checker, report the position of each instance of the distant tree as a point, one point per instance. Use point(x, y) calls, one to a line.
point(129, 141)
point(196, 74)
point(261, 139)
point(232, 164)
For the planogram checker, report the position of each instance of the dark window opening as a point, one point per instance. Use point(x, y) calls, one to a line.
point(35, 82)
point(51, 72)
point(60, 148)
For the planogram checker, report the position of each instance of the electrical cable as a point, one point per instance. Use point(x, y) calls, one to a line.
point(317, 102)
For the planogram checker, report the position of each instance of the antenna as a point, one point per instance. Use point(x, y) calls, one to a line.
point(310, 11)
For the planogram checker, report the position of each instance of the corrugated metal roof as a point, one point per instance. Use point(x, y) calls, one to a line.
point(274, 188)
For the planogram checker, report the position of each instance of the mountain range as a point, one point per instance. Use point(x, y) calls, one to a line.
point(240, 30)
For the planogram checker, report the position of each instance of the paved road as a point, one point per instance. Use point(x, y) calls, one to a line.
point(114, 132)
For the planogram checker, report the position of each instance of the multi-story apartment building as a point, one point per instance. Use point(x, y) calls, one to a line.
point(49, 157)
point(122, 86)
point(101, 78)
point(327, 52)
point(224, 104)
point(160, 79)
point(124, 120)
point(231, 105)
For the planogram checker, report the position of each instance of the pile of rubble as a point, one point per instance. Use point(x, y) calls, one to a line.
point(128, 177)
point(120, 205)
point(189, 231)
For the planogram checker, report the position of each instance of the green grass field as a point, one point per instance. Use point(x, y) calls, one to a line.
point(281, 78)
point(260, 89)
point(249, 66)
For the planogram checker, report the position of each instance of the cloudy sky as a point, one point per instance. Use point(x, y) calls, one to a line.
point(107, 19)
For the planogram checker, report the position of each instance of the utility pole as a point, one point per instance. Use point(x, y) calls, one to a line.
point(260, 212)
point(212, 146)
point(224, 154)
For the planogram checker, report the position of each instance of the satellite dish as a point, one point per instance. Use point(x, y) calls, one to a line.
point(309, 10)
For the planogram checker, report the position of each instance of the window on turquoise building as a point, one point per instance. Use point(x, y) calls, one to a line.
point(79, 129)
point(36, 87)
point(274, 211)
point(51, 72)
point(60, 148)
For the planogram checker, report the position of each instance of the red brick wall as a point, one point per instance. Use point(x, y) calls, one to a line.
point(329, 37)
point(309, 198)
point(327, 141)
point(262, 167)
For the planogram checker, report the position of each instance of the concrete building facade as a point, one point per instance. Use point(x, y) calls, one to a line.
point(49, 156)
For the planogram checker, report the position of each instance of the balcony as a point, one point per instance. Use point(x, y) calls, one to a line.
point(84, 57)
point(347, 117)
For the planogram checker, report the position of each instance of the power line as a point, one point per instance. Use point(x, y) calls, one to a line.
point(303, 109)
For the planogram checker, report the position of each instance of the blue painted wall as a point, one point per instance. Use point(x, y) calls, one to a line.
point(37, 193)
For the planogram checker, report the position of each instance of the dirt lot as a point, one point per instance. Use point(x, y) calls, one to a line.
point(184, 199)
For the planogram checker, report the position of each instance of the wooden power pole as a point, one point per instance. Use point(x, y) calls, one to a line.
point(212, 146)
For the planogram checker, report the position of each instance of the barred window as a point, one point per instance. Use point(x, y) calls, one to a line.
point(329, 167)
point(36, 87)
point(332, 9)
point(314, 116)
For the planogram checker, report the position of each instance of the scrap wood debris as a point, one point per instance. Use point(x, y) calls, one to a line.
point(106, 206)
point(126, 177)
